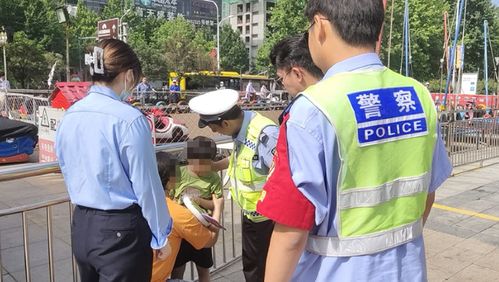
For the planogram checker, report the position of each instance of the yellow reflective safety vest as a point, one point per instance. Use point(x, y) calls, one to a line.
point(246, 182)
point(385, 127)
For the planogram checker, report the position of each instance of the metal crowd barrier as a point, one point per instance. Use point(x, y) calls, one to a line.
point(23, 107)
point(224, 252)
point(470, 138)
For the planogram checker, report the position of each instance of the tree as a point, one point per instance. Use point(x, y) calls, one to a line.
point(184, 48)
point(426, 32)
point(233, 53)
point(82, 28)
point(26, 70)
point(287, 19)
point(151, 56)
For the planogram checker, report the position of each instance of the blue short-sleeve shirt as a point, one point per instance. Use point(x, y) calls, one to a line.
point(311, 142)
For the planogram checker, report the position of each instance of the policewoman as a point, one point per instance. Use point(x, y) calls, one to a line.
point(254, 138)
point(357, 163)
point(106, 155)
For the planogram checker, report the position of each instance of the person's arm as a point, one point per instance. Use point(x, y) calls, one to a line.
point(204, 203)
point(217, 215)
point(139, 161)
point(286, 246)
point(221, 164)
point(441, 170)
point(430, 199)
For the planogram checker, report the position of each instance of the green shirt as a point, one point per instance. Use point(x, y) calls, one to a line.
point(201, 186)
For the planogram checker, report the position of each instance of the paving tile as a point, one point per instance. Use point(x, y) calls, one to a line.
point(476, 245)
point(450, 229)
point(490, 261)
point(440, 242)
point(436, 274)
point(453, 260)
point(475, 224)
point(476, 273)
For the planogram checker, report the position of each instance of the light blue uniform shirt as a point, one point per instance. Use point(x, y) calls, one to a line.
point(266, 146)
point(311, 142)
point(105, 151)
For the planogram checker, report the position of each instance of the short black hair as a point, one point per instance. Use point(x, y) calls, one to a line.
point(2, 73)
point(293, 52)
point(167, 167)
point(202, 148)
point(234, 113)
point(358, 22)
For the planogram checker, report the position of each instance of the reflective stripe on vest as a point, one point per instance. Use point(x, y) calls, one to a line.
point(334, 247)
point(368, 197)
point(246, 182)
point(385, 128)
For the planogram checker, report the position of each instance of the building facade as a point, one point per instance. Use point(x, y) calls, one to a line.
point(249, 17)
point(199, 12)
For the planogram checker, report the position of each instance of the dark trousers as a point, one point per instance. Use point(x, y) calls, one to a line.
point(112, 245)
point(256, 241)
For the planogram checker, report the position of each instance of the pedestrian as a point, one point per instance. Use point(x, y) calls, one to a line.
point(107, 158)
point(358, 161)
point(250, 92)
point(4, 86)
point(144, 90)
point(254, 139)
point(264, 92)
point(186, 227)
point(4, 83)
point(174, 92)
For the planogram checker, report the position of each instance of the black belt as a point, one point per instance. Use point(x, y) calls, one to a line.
point(131, 209)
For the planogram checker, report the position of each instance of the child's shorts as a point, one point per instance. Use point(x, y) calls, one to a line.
point(187, 253)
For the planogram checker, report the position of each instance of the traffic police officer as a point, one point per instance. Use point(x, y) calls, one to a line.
point(357, 163)
point(255, 137)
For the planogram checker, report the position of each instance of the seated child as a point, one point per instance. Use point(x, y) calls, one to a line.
point(185, 225)
point(199, 182)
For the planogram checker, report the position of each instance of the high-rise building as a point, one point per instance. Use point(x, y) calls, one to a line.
point(250, 17)
point(199, 12)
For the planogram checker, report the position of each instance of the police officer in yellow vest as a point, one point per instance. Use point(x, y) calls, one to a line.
point(255, 137)
point(359, 156)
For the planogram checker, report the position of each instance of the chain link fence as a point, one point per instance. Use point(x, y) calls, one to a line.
point(23, 104)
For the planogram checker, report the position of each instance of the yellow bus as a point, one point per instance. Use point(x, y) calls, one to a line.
point(203, 81)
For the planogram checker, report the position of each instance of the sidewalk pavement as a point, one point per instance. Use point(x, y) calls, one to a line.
point(461, 235)
point(462, 232)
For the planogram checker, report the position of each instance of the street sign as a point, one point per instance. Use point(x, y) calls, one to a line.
point(108, 29)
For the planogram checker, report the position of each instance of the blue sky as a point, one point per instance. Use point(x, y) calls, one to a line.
point(496, 2)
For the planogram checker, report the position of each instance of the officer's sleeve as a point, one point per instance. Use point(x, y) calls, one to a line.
point(266, 147)
point(441, 165)
point(295, 194)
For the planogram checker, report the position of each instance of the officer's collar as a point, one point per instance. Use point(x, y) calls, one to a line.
point(354, 63)
point(241, 135)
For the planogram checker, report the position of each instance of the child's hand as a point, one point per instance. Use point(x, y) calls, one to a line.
point(163, 253)
point(217, 202)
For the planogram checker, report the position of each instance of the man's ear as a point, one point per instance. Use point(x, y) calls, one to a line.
point(298, 72)
point(225, 124)
point(320, 34)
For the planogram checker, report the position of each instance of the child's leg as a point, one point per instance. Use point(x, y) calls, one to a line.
point(203, 274)
point(178, 272)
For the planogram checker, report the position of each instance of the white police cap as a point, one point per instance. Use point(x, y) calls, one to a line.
point(213, 105)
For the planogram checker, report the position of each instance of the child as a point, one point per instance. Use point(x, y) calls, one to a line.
point(202, 185)
point(185, 225)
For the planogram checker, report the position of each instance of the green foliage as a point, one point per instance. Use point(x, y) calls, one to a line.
point(28, 71)
point(233, 53)
point(426, 24)
point(184, 48)
point(427, 34)
point(287, 19)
